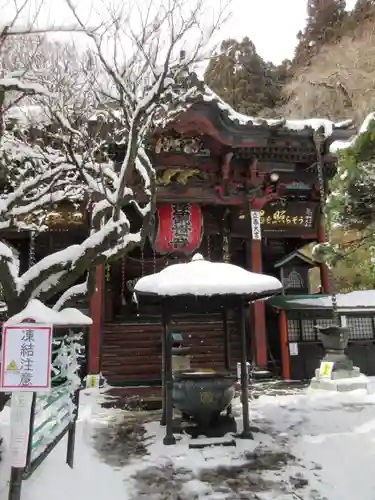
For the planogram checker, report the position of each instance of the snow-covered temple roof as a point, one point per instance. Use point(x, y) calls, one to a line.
point(340, 145)
point(203, 278)
point(192, 95)
point(358, 300)
point(40, 313)
point(290, 124)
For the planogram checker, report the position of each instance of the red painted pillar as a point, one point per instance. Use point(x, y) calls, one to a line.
point(96, 308)
point(258, 308)
point(324, 274)
point(283, 325)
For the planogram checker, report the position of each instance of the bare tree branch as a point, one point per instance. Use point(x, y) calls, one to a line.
point(142, 82)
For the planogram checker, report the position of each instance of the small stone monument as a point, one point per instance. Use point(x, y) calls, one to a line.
point(336, 371)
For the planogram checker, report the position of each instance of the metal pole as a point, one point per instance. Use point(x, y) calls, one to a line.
point(30, 444)
point(246, 434)
point(319, 142)
point(72, 434)
point(15, 483)
point(169, 437)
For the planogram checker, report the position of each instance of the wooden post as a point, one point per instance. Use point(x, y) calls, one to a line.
point(227, 353)
point(168, 403)
point(324, 274)
point(227, 360)
point(258, 308)
point(163, 420)
point(96, 310)
point(246, 433)
point(283, 324)
point(21, 404)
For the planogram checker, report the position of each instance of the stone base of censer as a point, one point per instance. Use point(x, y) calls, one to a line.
point(340, 380)
point(336, 372)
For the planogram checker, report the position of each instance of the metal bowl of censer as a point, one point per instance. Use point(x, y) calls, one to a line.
point(202, 395)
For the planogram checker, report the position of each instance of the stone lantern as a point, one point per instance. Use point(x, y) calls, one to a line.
point(337, 371)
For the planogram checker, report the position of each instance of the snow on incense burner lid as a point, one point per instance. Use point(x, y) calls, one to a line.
point(200, 277)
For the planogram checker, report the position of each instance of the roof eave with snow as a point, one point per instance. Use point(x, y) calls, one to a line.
point(37, 312)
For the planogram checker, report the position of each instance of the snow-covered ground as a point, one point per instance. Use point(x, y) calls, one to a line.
point(309, 445)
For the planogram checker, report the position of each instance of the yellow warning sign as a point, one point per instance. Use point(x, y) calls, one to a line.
point(326, 368)
point(92, 381)
point(12, 366)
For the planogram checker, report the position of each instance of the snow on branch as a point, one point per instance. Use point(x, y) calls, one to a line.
point(17, 85)
point(71, 293)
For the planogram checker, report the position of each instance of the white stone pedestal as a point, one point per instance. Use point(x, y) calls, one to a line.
point(340, 380)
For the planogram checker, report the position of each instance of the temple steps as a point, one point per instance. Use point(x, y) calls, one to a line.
point(131, 352)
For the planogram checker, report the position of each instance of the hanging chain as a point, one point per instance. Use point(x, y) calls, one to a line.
point(208, 247)
point(154, 260)
point(108, 272)
point(32, 249)
point(142, 262)
point(226, 252)
point(319, 141)
point(123, 282)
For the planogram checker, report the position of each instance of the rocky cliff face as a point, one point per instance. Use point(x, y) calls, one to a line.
point(338, 82)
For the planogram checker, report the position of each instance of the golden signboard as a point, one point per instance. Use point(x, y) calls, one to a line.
point(54, 219)
point(298, 217)
point(60, 215)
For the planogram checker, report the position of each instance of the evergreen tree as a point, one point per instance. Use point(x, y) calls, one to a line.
point(325, 17)
point(243, 79)
point(325, 20)
point(363, 9)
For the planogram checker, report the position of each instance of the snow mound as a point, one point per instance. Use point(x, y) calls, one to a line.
point(203, 278)
point(40, 313)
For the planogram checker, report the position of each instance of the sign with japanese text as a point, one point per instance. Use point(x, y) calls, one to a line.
point(256, 224)
point(26, 358)
point(20, 427)
point(298, 217)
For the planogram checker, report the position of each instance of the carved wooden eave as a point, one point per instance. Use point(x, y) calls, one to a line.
point(204, 113)
point(208, 118)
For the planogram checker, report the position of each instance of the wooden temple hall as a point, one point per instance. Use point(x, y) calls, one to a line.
point(234, 190)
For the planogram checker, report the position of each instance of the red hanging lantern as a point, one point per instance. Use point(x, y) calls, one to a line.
point(178, 228)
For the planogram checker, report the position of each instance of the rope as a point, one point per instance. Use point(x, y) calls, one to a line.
point(319, 142)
